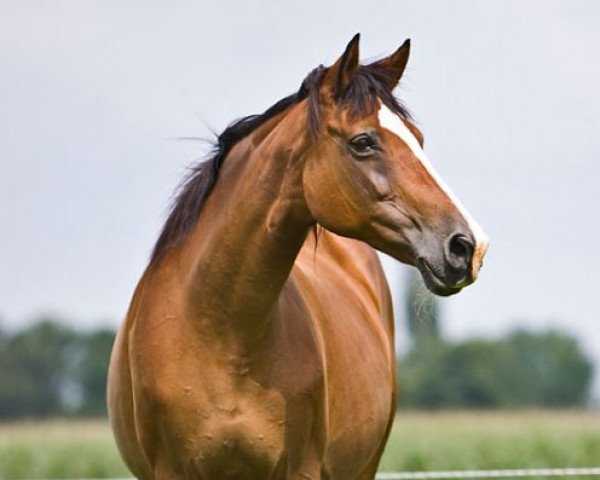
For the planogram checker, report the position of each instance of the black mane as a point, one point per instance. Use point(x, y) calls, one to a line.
point(360, 98)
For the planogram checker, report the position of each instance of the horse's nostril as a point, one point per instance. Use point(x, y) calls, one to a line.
point(460, 251)
point(460, 246)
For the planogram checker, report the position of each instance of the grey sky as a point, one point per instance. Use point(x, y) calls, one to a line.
point(93, 94)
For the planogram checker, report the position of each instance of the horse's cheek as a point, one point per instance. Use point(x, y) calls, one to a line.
point(328, 203)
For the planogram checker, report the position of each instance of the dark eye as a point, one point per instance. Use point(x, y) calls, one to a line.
point(363, 144)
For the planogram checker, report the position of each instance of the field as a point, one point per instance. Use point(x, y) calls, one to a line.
point(490, 440)
point(419, 441)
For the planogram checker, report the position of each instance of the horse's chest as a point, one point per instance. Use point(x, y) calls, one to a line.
point(239, 438)
point(360, 409)
point(249, 419)
point(360, 386)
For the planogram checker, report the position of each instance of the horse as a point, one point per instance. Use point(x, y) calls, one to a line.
point(259, 342)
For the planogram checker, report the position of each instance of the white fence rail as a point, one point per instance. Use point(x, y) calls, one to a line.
point(472, 474)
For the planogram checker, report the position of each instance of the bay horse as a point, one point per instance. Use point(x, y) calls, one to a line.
point(259, 343)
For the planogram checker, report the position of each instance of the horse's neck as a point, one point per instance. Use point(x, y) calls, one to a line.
point(249, 233)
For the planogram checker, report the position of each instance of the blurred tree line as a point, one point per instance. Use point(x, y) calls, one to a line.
point(50, 369)
point(546, 369)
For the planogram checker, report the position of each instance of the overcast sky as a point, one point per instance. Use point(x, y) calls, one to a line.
point(93, 96)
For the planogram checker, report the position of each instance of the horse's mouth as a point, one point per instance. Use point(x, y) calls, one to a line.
point(433, 282)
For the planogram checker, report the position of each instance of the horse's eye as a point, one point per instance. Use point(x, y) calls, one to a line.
point(363, 144)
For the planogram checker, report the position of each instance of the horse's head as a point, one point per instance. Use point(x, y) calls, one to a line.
point(366, 175)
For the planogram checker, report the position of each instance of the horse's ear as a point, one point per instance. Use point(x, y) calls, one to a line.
point(392, 67)
point(340, 74)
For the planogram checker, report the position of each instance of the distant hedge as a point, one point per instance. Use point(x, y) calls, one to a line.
point(546, 369)
point(50, 369)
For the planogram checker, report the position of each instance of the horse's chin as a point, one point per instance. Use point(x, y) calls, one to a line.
point(434, 283)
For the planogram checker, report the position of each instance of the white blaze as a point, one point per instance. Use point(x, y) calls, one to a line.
point(395, 124)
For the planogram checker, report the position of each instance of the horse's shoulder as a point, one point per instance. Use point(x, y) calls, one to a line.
point(328, 254)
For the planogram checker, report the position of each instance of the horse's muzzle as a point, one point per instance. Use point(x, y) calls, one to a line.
point(457, 265)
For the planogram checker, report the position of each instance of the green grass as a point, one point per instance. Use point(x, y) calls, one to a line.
point(419, 441)
point(59, 449)
point(493, 440)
